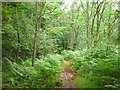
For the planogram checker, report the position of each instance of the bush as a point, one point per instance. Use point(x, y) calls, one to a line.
point(43, 76)
point(98, 66)
point(74, 57)
point(85, 83)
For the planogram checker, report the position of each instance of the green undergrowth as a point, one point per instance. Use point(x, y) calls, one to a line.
point(45, 74)
point(100, 67)
point(85, 83)
point(74, 57)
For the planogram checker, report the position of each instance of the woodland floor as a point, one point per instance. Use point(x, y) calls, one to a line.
point(67, 76)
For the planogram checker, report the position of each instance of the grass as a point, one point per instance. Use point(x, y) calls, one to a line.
point(85, 83)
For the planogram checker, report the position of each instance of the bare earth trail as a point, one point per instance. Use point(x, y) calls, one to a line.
point(67, 76)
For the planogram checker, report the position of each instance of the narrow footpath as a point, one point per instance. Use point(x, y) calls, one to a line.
point(67, 76)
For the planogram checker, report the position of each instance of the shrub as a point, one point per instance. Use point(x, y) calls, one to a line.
point(99, 65)
point(22, 75)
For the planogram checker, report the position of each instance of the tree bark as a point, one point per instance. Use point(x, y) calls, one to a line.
point(42, 6)
point(64, 42)
point(77, 30)
point(92, 29)
point(98, 28)
point(77, 37)
point(109, 28)
point(99, 17)
point(64, 34)
point(35, 39)
point(88, 24)
point(93, 21)
point(72, 33)
point(72, 39)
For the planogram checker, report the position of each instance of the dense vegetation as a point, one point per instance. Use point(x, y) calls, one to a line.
point(38, 36)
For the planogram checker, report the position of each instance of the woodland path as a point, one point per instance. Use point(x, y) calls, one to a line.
point(67, 76)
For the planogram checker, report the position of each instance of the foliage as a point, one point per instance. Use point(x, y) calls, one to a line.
point(99, 66)
point(74, 57)
point(43, 76)
point(85, 83)
point(63, 31)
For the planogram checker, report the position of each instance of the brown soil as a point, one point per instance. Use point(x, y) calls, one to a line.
point(67, 76)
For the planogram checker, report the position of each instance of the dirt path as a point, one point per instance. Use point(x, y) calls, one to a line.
point(67, 76)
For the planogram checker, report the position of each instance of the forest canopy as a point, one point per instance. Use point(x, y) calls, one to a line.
point(40, 38)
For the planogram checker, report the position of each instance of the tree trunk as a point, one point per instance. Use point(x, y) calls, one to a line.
point(99, 17)
point(104, 28)
point(98, 28)
point(109, 28)
point(64, 42)
point(64, 34)
point(42, 6)
point(72, 33)
point(92, 29)
point(93, 20)
point(77, 37)
point(77, 30)
point(88, 24)
point(35, 39)
point(72, 39)
point(92, 14)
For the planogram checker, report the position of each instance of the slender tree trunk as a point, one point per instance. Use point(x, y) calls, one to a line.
point(35, 39)
point(77, 30)
point(92, 29)
point(72, 39)
point(92, 11)
point(64, 33)
point(39, 23)
point(92, 35)
point(64, 43)
point(104, 28)
point(99, 17)
point(92, 15)
point(72, 33)
point(88, 24)
point(42, 6)
point(98, 23)
point(18, 37)
point(76, 38)
point(109, 28)
point(98, 28)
